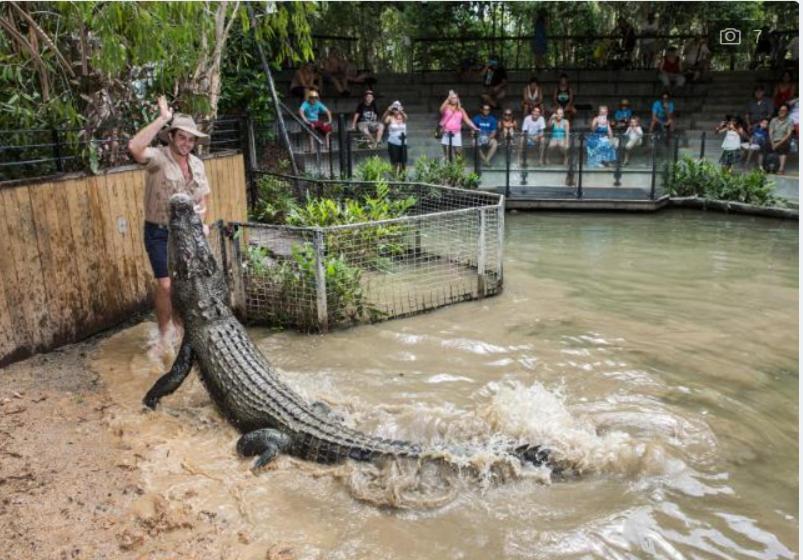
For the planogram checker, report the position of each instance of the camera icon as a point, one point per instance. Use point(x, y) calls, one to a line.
point(730, 36)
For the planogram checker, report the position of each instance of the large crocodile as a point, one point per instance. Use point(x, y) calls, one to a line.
point(245, 387)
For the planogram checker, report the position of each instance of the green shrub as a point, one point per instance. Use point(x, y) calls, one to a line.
point(373, 168)
point(438, 171)
point(275, 200)
point(706, 179)
point(292, 283)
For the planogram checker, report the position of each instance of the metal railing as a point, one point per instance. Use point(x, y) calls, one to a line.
point(43, 152)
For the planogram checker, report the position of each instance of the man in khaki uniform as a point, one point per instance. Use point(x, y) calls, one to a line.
point(170, 169)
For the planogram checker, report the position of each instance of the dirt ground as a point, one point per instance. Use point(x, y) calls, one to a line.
point(70, 488)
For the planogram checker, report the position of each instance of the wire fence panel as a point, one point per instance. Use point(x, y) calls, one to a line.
point(445, 249)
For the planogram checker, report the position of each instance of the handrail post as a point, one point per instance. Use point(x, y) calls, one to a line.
point(451, 137)
point(507, 166)
point(525, 140)
point(617, 174)
point(57, 149)
point(477, 155)
point(652, 173)
point(349, 166)
point(676, 150)
point(320, 281)
point(570, 171)
point(248, 147)
point(702, 145)
point(341, 143)
point(318, 158)
point(403, 137)
point(580, 167)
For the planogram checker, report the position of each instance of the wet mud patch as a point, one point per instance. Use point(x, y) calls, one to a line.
point(72, 485)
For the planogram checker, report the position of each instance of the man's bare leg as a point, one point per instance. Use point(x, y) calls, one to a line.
point(164, 309)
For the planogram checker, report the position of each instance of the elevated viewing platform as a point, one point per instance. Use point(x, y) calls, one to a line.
point(700, 108)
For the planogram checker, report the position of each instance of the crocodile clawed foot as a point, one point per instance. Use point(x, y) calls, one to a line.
point(267, 443)
point(150, 401)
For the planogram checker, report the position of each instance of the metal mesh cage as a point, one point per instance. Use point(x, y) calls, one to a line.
point(447, 248)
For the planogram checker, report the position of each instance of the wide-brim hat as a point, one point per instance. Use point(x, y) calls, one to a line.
point(187, 124)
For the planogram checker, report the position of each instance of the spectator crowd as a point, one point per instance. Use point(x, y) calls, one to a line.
point(763, 135)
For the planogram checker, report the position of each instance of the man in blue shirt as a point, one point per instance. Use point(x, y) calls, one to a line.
point(663, 113)
point(310, 112)
point(486, 137)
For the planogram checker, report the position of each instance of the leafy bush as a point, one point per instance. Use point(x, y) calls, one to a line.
point(438, 171)
point(325, 212)
point(373, 168)
point(275, 200)
point(292, 284)
point(706, 179)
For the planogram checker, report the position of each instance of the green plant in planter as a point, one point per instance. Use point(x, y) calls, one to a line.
point(438, 171)
point(374, 168)
point(293, 285)
point(706, 179)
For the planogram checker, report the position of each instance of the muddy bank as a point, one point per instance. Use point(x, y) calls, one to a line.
point(70, 487)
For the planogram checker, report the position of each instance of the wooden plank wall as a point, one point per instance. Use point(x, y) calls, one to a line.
point(72, 258)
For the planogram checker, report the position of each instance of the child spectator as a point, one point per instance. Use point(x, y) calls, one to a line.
point(366, 119)
point(310, 112)
point(622, 116)
point(559, 139)
point(508, 125)
point(634, 136)
point(599, 148)
point(486, 138)
point(533, 129)
point(396, 121)
point(759, 142)
point(730, 144)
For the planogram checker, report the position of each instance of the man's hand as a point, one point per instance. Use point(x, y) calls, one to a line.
point(164, 109)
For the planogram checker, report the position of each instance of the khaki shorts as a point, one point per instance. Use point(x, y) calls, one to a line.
point(368, 127)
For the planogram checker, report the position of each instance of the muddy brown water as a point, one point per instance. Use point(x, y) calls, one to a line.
point(656, 354)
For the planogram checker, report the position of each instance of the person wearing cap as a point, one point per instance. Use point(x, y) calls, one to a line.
point(169, 169)
point(396, 120)
point(621, 117)
point(366, 119)
point(310, 112)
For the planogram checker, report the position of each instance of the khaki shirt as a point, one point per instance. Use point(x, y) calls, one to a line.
point(164, 179)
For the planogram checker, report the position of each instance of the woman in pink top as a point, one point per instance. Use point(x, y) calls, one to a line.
point(452, 118)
